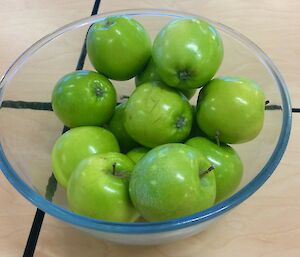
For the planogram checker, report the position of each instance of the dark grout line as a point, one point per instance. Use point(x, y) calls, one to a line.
point(41, 106)
point(52, 183)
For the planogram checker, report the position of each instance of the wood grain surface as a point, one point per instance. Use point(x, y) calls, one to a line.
point(266, 225)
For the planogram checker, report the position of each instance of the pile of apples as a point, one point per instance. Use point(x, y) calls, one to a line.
point(154, 155)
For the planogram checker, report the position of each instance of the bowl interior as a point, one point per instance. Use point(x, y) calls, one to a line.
point(27, 136)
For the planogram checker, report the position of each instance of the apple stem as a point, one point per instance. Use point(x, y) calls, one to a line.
point(108, 23)
point(202, 173)
point(123, 97)
point(119, 174)
point(217, 137)
point(114, 168)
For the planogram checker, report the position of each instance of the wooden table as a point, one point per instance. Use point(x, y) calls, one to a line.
point(266, 225)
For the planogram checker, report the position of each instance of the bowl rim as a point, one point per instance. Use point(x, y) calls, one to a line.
point(169, 225)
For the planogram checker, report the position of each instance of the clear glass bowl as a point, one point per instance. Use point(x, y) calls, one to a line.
point(27, 136)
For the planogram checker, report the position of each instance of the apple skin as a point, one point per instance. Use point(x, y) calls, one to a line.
point(94, 191)
point(150, 73)
point(156, 114)
point(165, 183)
point(232, 108)
point(77, 144)
point(228, 165)
point(137, 153)
point(118, 47)
point(195, 131)
point(84, 98)
point(116, 126)
point(187, 53)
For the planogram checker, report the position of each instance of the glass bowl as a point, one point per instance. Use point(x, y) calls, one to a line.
point(27, 135)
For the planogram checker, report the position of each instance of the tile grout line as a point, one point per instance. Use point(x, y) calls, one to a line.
point(39, 215)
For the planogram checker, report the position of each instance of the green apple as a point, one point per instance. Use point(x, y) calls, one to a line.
point(156, 114)
point(137, 153)
point(232, 109)
point(98, 188)
point(77, 144)
point(150, 73)
point(118, 47)
point(226, 161)
point(116, 126)
point(172, 181)
point(195, 131)
point(84, 98)
point(187, 52)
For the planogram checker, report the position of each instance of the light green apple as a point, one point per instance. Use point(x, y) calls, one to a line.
point(187, 52)
point(172, 181)
point(98, 188)
point(77, 144)
point(232, 109)
point(84, 98)
point(116, 126)
point(150, 73)
point(195, 131)
point(137, 153)
point(156, 114)
point(227, 163)
point(118, 47)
